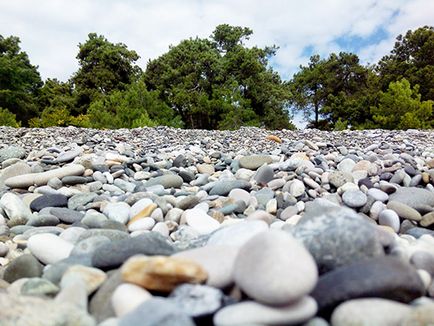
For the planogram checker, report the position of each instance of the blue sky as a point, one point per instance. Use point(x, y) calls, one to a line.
point(50, 30)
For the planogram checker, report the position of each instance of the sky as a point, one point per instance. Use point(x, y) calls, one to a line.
point(50, 30)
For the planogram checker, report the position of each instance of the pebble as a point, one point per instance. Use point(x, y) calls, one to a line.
point(161, 273)
point(274, 268)
point(254, 313)
point(389, 218)
point(354, 198)
point(253, 162)
point(404, 211)
point(49, 248)
point(200, 221)
point(55, 200)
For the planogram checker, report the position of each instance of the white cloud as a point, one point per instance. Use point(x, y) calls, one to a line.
point(50, 30)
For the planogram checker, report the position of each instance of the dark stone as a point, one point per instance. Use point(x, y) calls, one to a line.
point(55, 271)
point(23, 266)
point(100, 306)
point(54, 200)
point(115, 253)
point(187, 176)
point(385, 277)
point(67, 215)
point(180, 161)
point(223, 187)
point(366, 182)
point(337, 236)
point(73, 180)
point(156, 312)
point(386, 176)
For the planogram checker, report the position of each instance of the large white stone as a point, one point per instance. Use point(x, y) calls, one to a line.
point(49, 248)
point(201, 221)
point(254, 313)
point(126, 297)
point(237, 234)
point(14, 207)
point(274, 268)
point(119, 212)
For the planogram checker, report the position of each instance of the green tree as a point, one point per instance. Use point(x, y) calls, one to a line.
point(332, 89)
point(220, 83)
point(401, 108)
point(134, 107)
point(104, 67)
point(19, 80)
point(8, 119)
point(412, 58)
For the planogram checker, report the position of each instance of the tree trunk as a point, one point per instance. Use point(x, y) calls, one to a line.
point(316, 115)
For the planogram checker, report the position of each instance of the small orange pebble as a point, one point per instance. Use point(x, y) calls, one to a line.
point(274, 138)
point(145, 212)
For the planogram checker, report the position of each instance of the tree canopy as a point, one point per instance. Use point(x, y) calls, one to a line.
point(19, 80)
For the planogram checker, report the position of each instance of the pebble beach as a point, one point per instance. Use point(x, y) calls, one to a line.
point(164, 226)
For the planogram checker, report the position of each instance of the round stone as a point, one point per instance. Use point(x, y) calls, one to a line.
point(127, 297)
point(254, 161)
point(24, 266)
point(404, 211)
point(274, 268)
point(389, 217)
point(201, 221)
point(354, 198)
point(378, 194)
point(264, 174)
point(49, 248)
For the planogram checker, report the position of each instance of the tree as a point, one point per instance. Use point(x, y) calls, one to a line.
point(401, 108)
point(219, 82)
point(411, 58)
point(104, 67)
point(134, 107)
point(333, 88)
point(8, 119)
point(19, 80)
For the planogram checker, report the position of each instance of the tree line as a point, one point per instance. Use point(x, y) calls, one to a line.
point(220, 83)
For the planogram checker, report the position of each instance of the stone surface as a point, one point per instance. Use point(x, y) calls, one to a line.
point(161, 273)
point(404, 211)
point(255, 161)
point(274, 268)
point(39, 179)
point(14, 207)
point(156, 311)
point(201, 221)
point(372, 311)
point(237, 234)
point(49, 248)
point(413, 197)
point(24, 266)
point(253, 313)
point(54, 200)
point(114, 253)
point(384, 277)
point(337, 236)
point(354, 198)
point(217, 260)
point(126, 297)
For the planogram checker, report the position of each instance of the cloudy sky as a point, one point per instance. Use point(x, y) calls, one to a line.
point(50, 30)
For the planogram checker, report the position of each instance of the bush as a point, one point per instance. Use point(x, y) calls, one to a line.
point(7, 118)
point(59, 117)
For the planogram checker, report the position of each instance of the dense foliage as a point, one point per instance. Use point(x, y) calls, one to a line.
point(221, 83)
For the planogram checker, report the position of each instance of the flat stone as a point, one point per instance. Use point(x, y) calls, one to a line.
point(274, 268)
point(237, 234)
point(224, 187)
point(43, 220)
point(382, 277)
point(371, 311)
point(161, 273)
point(92, 277)
point(404, 211)
point(201, 221)
point(337, 236)
point(414, 197)
point(339, 178)
point(67, 215)
point(69, 155)
point(74, 180)
point(43, 201)
point(354, 198)
point(188, 202)
point(420, 316)
point(217, 260)
point(205, 168)
point(24, 266)
point(254, 313)
point(14, 170)
point(113, 254)
point(128, 297)
point(254, 161)
point(197, 300)
point(427, 220)
point(39, 179)
point(87, 246)
point(156, 311)
point(378, 194)
point(167, 181)
point(49, 248)
point(113, 235)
